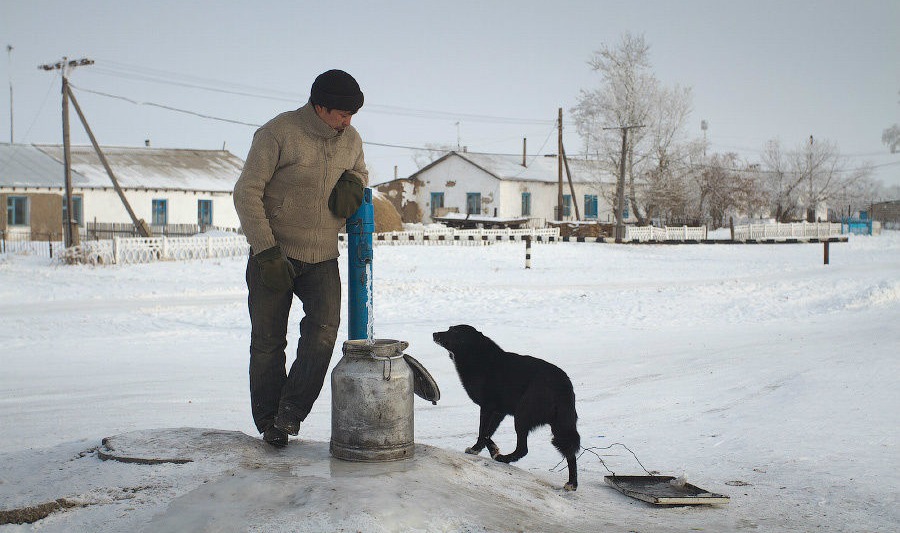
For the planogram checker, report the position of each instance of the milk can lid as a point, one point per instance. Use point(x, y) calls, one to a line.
point(423, 384)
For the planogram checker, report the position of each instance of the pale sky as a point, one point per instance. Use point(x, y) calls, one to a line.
point(484, 74)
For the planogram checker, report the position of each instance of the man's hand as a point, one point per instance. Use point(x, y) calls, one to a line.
point(276, 272)
point(347, 195)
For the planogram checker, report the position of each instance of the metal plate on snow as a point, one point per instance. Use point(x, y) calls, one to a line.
point(663, 490)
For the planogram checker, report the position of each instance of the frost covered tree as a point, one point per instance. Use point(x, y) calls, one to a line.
point(431, 153)
point(891, 138)
point(630, 95)
point(813, 174)
point(723, 184)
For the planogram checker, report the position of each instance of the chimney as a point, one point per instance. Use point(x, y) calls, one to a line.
point(524, 150)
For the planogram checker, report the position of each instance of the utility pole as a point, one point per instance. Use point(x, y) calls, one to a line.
point(571, 185)
point(9, 50)
point(65, 65)
point(620, 183)
point(559, 150)
point(811, 208)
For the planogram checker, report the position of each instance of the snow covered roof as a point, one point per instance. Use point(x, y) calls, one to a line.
point(153, 168)
point(23, 165)
point(539, 168)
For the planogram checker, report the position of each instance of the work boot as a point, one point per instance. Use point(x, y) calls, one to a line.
point(275, 437)
point(287, 419)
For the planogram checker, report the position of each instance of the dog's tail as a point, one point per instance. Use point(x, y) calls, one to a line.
point(565, 433)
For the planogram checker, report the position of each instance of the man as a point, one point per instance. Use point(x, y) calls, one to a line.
point(303, 177)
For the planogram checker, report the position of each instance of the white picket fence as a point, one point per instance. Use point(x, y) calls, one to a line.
point(784, 231)
point(667, 233)
point(149, 249)
point(121, 250)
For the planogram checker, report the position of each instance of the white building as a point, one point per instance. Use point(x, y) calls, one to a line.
point(501, 186)
point(163, 186)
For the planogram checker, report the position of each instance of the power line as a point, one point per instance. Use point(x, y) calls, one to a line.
point(398, 146)
point(167, 107)
point(251, 124)
point(208, 84)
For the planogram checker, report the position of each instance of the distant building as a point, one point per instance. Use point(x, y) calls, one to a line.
point(163, 186)
point(887, 213)
point(502, 186)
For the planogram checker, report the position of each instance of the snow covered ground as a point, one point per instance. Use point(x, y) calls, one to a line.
point(754, 370)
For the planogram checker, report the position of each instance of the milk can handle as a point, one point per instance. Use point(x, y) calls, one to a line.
point(388, 364)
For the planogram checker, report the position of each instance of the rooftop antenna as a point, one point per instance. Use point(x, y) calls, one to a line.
point(9, 49)
point(703, 126)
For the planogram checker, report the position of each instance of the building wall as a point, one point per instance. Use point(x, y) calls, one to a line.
point(503, 198)
point(106, 206)
point(404, 196)
point(544, 197)
point(886, 212)
point(455, 177)
point(44, 214)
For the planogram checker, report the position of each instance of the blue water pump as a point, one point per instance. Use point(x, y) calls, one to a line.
point(360, 227)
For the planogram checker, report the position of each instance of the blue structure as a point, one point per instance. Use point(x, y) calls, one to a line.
point(360, 227)
point(857, 226)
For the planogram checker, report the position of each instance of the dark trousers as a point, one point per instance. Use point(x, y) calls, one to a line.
point(318, 286)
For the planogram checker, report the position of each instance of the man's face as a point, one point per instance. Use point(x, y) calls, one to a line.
point(337, 119)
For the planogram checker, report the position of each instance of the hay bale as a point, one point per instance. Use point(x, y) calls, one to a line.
point(386, 216)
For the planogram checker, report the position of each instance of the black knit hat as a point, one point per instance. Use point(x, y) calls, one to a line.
point(336, 89)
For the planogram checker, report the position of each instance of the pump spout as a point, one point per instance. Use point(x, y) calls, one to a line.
point(360, 227)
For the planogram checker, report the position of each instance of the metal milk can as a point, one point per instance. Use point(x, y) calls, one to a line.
point(372, 402)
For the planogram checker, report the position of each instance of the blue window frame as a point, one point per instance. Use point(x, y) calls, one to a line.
point(473, 203)
point(160, 212)
point(17, 210)
point(526, 204)
point(77, 207)
point(567, 205)
point(590, 206)
point(437, 202)
point(204, 213)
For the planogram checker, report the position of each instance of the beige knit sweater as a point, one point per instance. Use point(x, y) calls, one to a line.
point(282, 194)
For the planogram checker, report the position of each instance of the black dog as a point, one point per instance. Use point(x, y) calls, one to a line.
point(534, 391)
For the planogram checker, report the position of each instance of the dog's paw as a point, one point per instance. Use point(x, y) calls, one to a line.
point(472, 451)
point(571, 487)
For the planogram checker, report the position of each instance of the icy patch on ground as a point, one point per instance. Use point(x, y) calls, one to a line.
point(215, 480)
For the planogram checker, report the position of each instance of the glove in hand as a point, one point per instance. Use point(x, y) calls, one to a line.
point(276, 272)
point(347, 195)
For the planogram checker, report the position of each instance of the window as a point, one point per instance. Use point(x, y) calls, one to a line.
point(473, 203)
point(76, 206)
point(17, 210)
point(160, 213)
point(437, 202)
point(204, 213)
point(567, 205)
point(625, 214)
point(590, 206)
point(526, 204)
